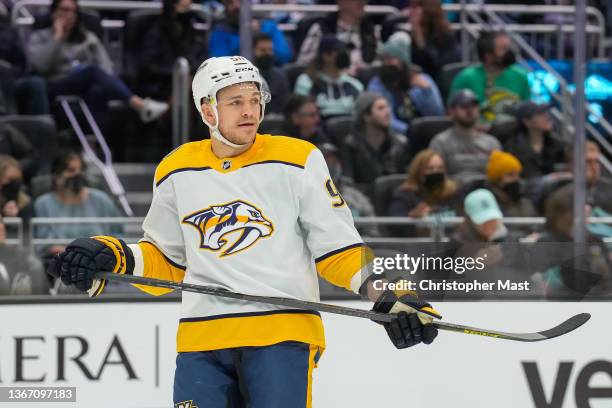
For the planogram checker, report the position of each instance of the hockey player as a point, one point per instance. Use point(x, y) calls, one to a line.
point(249, 213)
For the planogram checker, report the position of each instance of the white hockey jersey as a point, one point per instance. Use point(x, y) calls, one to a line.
point(262, 223)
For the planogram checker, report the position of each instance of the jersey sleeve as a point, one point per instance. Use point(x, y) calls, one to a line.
point(326, 221)
point(160, 254)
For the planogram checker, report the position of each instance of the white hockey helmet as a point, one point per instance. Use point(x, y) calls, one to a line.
point(217, 73)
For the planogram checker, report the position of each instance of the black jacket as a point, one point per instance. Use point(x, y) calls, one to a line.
point(329, 25)
point(534, 164)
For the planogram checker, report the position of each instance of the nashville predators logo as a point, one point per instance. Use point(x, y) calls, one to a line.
point(237, 222)
point(185, 404)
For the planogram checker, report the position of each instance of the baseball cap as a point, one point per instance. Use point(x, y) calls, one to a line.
point(462, 97)
point(330, 43)
point(528, 109)
point(481, 206)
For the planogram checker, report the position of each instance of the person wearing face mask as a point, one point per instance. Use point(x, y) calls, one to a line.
point(410, 93)
point(14, 202)
point(335, 92)
point(498, 83)
point(427, 191)
point(167, 38)
point(359, 204)
point(263, 59)
point(372, 149)
point(504, 181)
point(72, 198)
point(224, 37)
point(464, 148)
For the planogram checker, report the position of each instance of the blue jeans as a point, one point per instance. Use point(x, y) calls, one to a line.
point(31, 94)
point(277, 376)
point(92, 84)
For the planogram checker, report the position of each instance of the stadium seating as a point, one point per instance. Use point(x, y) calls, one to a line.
point(422, 130)
point(41, 132)
point(338, 128)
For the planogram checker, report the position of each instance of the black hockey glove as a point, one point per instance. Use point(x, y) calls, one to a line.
point(413, 322)
point(85, 256)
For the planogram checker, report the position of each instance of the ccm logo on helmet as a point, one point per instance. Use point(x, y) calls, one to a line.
point(245, 69)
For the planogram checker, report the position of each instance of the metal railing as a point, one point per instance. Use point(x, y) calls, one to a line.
point(436, 224)
point(181, 106)
point(551, 33)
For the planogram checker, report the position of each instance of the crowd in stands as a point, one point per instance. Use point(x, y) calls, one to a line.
point(361, 94)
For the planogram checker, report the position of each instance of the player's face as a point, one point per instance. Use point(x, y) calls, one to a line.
point(239, 108)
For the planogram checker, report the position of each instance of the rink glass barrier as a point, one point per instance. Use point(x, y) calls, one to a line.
point(430, 264)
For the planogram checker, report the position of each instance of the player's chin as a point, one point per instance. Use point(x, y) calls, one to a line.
point(246, 133)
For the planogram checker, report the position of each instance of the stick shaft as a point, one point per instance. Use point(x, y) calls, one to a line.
point(565, 327)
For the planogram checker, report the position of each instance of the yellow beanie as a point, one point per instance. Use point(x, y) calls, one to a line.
point(501, 163)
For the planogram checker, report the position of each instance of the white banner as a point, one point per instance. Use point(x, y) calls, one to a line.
point(121, 355)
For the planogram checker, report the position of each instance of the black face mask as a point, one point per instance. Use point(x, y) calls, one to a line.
point(75, 183)
point(507, 59)
point(433, 180)
point(10, 190)
point(513, 190)
point(264, 63)
point(394, 78)
point(343, 60)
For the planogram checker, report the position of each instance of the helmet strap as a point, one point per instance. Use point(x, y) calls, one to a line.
point(216, 133)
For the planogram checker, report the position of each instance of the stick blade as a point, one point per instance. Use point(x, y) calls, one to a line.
point(567, 326)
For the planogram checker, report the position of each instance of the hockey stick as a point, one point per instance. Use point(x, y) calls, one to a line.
point(567, 326)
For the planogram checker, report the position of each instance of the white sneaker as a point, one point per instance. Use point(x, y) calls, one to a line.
point(152, 110)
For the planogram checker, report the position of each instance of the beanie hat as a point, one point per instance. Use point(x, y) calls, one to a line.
point(501, 163)
point(364, 102)
point(398, 46)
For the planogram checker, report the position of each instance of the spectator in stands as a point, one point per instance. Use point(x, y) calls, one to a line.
point(28, 93)
point(171, 36)
point(464, 148)
point(14, 202)
point(71, 198)
point(599, 188)
point(427, 191)
point(302, 120)
point(484, 219)
point(349, 25)
point(504, 181)
point(16, 144)
point(373, 149)
point(570, 269)
point(344, 191)
point(75, 62)
point(225, 35)
point(410, 94)
point(433, 43)
point(263, 58)
point(20, 272)
point(536, 148)
point(497, 81)
point(334, 91)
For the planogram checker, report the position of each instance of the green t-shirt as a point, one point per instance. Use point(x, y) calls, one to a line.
point(509, 87)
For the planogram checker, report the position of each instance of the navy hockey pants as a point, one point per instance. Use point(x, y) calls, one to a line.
point(277, 376)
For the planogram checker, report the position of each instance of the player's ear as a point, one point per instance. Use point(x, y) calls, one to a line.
point(207, 113)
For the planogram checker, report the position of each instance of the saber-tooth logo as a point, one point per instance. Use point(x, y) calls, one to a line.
point(185, 404)
point(238, 221)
